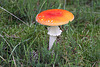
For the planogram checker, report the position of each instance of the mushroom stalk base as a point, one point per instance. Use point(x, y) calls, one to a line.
point(51, 41)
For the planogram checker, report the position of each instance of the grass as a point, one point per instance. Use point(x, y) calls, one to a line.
point(27, 46)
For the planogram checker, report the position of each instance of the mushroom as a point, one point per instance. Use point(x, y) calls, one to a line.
point(54, 18)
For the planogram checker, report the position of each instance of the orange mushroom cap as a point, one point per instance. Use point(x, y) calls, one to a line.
point(54, 17)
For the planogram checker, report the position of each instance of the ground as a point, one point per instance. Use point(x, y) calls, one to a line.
point(24, 42)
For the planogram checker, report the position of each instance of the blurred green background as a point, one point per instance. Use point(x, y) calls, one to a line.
point(24, 42)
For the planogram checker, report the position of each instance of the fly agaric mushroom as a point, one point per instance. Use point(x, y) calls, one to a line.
point(54, 18)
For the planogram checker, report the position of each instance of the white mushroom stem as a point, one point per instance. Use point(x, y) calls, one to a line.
point(53, 31)
point(51, 41)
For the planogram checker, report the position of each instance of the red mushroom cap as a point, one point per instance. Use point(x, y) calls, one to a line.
point(54, 17)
